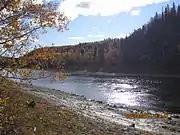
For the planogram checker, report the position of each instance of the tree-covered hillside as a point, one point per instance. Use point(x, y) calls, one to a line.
point(157, 42)
point(155, 47)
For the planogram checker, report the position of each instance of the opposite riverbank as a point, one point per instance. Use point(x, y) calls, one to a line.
point(48, 117)
point(116, 74)
point(105, 74)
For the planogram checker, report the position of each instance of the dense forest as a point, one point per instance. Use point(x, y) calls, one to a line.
point(157, 43)
point(153, 48)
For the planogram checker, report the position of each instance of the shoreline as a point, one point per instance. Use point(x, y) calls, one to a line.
point(97, 109)
point(47, 117)
point(118, 74)
point(105, 74)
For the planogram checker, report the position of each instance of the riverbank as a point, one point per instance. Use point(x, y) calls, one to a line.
point(105, 74)
point(110, 118)
point(116, 74)
point(51, 116)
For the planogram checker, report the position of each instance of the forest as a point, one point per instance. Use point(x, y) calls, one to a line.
point(153, 48)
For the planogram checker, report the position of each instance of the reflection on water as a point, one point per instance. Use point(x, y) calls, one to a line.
point(159, 94)
point(126, 98)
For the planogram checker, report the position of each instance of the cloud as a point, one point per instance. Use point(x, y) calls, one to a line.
point(135, 12)
point(36, 40)
point(76, 38)
point(75, 8)
point(93, 27)
point(122, 35)
point(83, 5)
point(96, 36)
point(40, 1)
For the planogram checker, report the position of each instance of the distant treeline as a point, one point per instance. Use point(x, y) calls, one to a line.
point(153, 48)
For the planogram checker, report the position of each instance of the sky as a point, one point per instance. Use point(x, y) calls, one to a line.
point(95, 20)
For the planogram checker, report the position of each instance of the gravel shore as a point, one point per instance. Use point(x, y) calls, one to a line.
point(105, 113)
point(50, 116)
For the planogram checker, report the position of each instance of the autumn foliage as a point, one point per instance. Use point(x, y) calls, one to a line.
point(21, 22)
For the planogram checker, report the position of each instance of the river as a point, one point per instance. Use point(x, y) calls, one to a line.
point(160, 94)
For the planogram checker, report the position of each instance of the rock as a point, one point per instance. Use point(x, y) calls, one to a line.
point(109, 108)
point(176, 116)
point(31, 104)
point(82, 97)
point(165, 127)
point(35, 129)
point(115, 106)
point(113, 116)
point(100, 102)
point(169, 118)
point(72, 94)
point(172, 129)
point(125, 129)
point(132, 125)
point(92, 100)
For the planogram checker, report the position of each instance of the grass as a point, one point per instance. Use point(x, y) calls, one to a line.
point(17, 118)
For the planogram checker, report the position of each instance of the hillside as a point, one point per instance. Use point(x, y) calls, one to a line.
point(155, 47)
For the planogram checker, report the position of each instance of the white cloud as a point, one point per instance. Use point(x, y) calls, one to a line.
point(96, 36)
point(75, 8)
point(93, 27)
point(40, 1)
point(36, 40)
point(122, 36)
point(76, 38)
point(135, 12)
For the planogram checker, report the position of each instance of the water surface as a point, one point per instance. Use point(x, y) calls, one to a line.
point(143, 93)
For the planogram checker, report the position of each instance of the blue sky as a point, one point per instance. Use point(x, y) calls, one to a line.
point(94, 20)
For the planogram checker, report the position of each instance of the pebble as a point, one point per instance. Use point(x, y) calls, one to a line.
point(100, 102)
point(134, 111)
point(115, 106)
point(31, 104)
point(124, 129)
point(72, 94)
point(34, 129)
point(169, 118)
point(82, 97)
point(176, 116)
point(164, 127)
point(109, 108)
point(132, 125)
point(173, 129)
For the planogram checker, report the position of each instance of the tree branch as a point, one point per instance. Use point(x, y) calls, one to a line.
point(21, 35)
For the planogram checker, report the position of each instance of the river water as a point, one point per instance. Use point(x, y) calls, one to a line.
point(161, 94)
